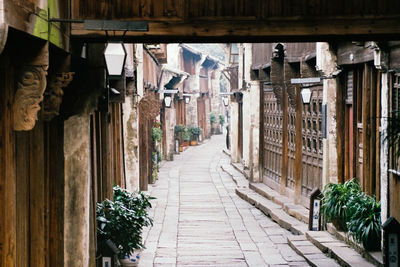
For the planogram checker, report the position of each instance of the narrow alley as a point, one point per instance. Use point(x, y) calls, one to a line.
point(199, 220)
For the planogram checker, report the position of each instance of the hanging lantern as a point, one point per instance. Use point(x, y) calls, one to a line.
point(167, 101)
point(115, 56)
point(306, 95)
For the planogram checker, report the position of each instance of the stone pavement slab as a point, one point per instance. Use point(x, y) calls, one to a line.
point(200, 221)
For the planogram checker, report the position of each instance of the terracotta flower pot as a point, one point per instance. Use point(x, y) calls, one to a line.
point(180, 148)
point(193, 143)
point(186, 143)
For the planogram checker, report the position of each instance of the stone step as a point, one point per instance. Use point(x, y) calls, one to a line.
point(297, 211)
point(319, 248)
point(337, 249)
point(375, 257)
point(311, 253)
point(273, 210)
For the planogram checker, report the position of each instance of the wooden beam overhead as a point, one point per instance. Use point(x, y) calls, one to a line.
point(286, 29)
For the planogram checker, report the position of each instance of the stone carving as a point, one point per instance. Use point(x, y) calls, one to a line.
point(54, 93)
point(31, 84)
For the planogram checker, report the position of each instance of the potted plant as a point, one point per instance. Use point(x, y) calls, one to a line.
point(196, 132)
point(178, 131)
point(187, 136)
point(156, 134)
point(121, 221)
point(213, 119)
point(221, 122)
point(335, 202)
point(364, 222)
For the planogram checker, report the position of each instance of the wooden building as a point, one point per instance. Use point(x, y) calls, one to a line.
point(366, 100)
point(149, 110)
point(61, 156)
point(290, 131)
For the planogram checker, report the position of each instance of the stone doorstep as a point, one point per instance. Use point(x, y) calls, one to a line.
point(374, 257)
point(239, 167)
point(337, 249)
point(273, 210)
point(227, 152)
point(312, 254)
point(297, 211)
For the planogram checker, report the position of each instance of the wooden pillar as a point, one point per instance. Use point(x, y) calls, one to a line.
point(37, 197)
point(366, 128)
point(372, 131)
point(298, 167)
point(340, 129)
point(8, 218)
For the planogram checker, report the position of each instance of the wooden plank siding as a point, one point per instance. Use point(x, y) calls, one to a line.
point(358, 109)
point(8, 207)
point(227, 20)
point(31, 186)
point(258, 9)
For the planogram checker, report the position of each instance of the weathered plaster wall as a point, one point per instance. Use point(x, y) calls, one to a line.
point(170, 120)
point(139, 69)
point(3, 27)
point(249, 108)
point(384, 146)
point(131, 142)
point(247, 112)
point(326, 62)
point(191, 111)
point(77, 190)
point(254, 163)
point(234, 123)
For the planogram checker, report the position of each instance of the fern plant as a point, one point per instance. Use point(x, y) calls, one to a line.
point(335, 202)
point(365, 221)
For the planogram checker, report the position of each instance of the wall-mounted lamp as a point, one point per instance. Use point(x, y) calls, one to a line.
point(167, 101)
point(306, 95)
point(187, 99)
point(225, 99)
point(115, 56)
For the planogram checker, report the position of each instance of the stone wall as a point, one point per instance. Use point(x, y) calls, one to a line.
point(77, 190)
point(327, 63)
point(131, 143)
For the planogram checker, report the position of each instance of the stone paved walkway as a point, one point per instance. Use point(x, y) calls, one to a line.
point(200, 221)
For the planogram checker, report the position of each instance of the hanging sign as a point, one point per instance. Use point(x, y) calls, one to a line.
point(393, 250)
point(314, 220)
point(391, 234)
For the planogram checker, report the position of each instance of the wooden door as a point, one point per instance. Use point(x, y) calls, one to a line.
point(312, 143)
point(272, 139)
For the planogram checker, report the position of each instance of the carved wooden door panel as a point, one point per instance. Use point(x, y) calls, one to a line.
point(272, 150)
point(312, 142)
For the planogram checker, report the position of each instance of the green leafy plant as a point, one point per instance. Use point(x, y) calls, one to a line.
point(364, 222)
point(123, 219)
point(156, 134)
point(179, 129)
point(187, 135)
point(221, 119)
point(213, 118)
point(195, 131)
point(335, 202)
